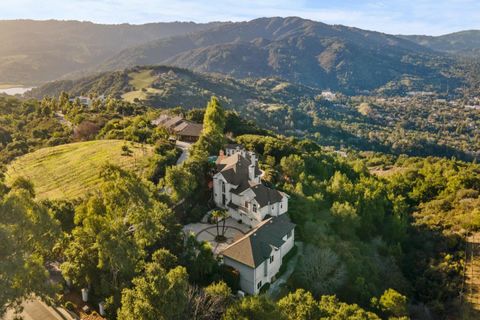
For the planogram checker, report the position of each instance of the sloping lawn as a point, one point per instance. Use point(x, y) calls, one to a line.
point(72, 170)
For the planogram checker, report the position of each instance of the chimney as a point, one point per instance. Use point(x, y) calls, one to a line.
point(253, 158)
point(251, 167)
point(221, 155)
point(251, 172)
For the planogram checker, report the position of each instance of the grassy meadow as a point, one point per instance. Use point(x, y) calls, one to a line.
point(72, 170)
point(142, 82)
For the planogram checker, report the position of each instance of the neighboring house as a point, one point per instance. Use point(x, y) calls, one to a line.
point(87, 101)
point(237, 187)
point(258, 255)
point(188, 131)
point(184, 130)
point(84, 101)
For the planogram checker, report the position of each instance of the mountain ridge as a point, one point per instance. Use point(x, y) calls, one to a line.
point(33, 51)
point(298, 50)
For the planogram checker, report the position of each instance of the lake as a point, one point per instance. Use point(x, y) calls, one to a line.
point(15, 90)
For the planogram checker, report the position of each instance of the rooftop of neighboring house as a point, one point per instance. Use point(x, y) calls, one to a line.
point(187, 128)
point(257, 245)
point(172, 122)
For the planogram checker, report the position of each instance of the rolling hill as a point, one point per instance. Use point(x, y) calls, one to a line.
point(33, 52)
point(166, 87)
point(298, 50)
point(72, 170)
point(464, 43)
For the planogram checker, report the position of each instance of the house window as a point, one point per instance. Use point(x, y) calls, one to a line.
point(271, 259)
point(259, 284)
point(223, 186)
point(281, 205)
point(254, 207)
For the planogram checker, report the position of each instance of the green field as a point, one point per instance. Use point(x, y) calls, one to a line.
point(140, 80)
point(72, 170)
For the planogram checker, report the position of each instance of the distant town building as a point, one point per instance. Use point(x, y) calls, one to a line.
point(328, 95)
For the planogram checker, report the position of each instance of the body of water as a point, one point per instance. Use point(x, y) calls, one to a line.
point(15, 90)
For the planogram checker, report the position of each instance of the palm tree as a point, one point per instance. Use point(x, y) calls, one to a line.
point(220, 215)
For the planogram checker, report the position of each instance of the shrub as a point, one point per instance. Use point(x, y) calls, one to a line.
point(69, 306)
point(285, 261)
point(231, 276)
point(265, 288)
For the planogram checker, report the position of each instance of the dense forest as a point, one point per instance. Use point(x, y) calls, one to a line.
point(375, 246)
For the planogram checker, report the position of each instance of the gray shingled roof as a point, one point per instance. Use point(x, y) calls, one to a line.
point(265, 195)
point(235, 169)
point(257, 245)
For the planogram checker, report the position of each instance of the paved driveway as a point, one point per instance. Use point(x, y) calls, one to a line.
point(37, 310)
point(184, 146)
point(207, 232)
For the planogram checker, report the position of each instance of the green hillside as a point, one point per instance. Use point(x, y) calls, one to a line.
point(72, 170)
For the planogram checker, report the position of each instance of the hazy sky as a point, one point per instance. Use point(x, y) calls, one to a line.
point(397, 16)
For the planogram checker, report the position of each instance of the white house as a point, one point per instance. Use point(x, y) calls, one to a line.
point(237, 187)
point(258, 255)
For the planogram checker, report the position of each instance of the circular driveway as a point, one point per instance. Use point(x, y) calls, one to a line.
point(209, 233)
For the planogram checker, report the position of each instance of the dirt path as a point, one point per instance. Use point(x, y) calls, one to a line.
point(472, 274)
point(61, 118)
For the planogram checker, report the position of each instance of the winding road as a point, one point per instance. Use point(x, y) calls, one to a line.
point(185, 146)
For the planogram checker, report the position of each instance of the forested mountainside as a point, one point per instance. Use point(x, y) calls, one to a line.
point(303, 51)
point(414, 125)
point(465, 43)
point(33, 52)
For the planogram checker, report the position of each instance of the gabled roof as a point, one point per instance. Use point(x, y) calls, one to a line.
point(187, 128)
point(265, 195)
point(235, 169)
point(172, 122)
point(257, 245)
point(161, 119)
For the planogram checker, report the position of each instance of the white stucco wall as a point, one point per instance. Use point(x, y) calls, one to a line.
point(249, 278)
point(289, 243)
point(272, 270)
